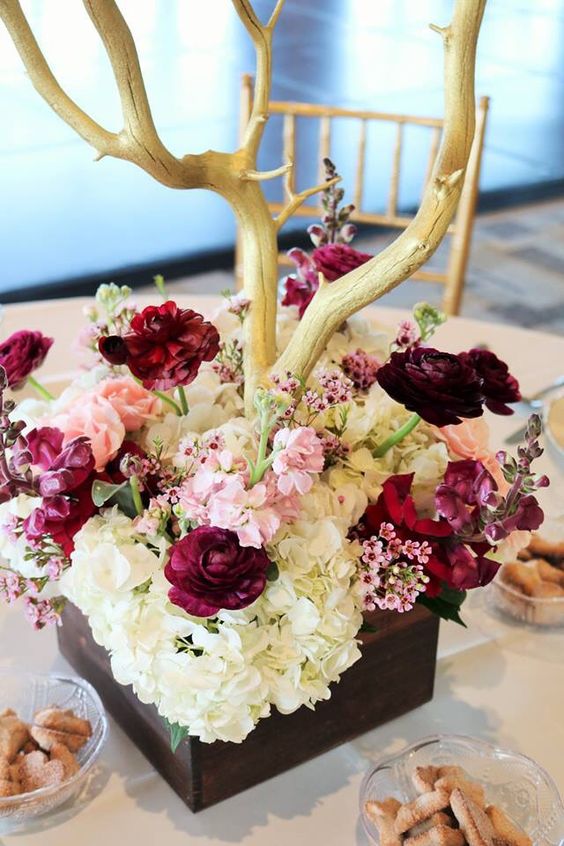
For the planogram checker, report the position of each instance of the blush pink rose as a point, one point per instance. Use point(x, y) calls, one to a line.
point(94, 417)
point(470, 439)
point(134, 404)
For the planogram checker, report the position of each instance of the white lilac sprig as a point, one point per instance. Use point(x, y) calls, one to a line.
point(392, 570)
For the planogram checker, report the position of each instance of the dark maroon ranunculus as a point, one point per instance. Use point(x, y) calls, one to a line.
point(439, 387)
point(209, 570)
point(334, 260)
point(164, 347)
point(44, 444)
point(21, 354)
point(499, 386)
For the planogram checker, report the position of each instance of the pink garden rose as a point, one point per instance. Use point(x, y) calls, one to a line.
point(134, 404)
point(94, 417)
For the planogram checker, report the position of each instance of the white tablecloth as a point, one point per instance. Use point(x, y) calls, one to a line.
point(495, 681)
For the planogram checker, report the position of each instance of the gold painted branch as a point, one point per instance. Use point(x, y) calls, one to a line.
point(336, 302)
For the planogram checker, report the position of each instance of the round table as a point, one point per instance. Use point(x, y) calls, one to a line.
point(499, 682)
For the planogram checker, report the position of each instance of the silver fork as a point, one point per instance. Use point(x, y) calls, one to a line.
point(528, 405)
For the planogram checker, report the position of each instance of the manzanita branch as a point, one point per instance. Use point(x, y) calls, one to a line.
point(334, 303)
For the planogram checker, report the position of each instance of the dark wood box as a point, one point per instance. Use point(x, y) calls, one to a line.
point(395, 675)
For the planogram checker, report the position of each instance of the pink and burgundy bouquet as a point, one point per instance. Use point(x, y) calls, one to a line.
point(224, 560)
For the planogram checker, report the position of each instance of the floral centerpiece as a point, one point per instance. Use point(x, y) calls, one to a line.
point(225, 560)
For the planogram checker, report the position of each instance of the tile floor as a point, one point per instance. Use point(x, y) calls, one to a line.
point(516, 271)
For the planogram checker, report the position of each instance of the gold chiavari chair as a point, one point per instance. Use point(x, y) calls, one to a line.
point(460, 230)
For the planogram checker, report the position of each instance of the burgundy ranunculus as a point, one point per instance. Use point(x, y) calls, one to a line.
point(334, 260)
point(499, 386)
point(440, 387)
point(209, 570)
point(461, 566)
point(21, 354)
point(164, 347)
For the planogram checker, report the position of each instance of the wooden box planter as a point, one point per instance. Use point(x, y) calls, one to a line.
point(395, 674)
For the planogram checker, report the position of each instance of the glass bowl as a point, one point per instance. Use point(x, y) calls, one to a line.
point(512, 781)
point(28, 693)
point(539, 612)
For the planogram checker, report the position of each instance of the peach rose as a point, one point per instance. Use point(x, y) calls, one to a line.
point(96, 418)
point(470, 439)
point(133, 403)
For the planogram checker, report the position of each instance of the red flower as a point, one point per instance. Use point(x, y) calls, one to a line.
point(209, 571)
point(21, 354)
point(440, 387)
point(451, 563)
point(334, 260)
point(499, 386)
point(164, 347)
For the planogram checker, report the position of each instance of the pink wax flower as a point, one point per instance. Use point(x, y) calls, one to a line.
point(95, 417)
point(361, 368)
point(134, 404)
point(298, 454)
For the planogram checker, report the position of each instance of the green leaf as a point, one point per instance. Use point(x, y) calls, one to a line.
point(272, 572)
point(368, 628)
point(177, 734)
point(446, 605)
point(105, 493)
point(102, 492)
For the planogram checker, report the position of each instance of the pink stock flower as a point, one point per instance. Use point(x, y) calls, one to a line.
point(298, 454)
point(94, 417)
point(134, 404)
point(248, 513)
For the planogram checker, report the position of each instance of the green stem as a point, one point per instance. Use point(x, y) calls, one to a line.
point(398, 436)
point(261, 464)
point(183, 400)
point(43, 392)
point(136, 493)
point(169, 401)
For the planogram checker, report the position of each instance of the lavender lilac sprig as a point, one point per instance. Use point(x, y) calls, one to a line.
point(335, 227)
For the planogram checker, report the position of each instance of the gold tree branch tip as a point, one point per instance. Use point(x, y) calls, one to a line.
point(264, 175)
point(296, 200)
point(441, 30)
point(273, 20)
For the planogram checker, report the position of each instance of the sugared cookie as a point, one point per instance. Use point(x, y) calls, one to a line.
point(506, 829)
point(473, 821)
point(61, 753)
point(420, 809)
point(13, 734)
point(437, 835)
point(36, 771)
point(383, 815)
point(55, 726)
point(424, 778)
